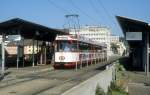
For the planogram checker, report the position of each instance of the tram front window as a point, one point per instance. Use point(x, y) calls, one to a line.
point(66, 46)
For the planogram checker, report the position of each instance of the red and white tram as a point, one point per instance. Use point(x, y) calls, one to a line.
point(72, 51)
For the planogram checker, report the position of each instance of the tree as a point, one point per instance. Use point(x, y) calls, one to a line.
point(114, 47)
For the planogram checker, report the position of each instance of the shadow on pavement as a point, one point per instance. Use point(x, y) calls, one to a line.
point(127, 63)
point(3, 76)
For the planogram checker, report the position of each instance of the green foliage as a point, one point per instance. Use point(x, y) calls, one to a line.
point(99, 90)
point(117, 87)
point(114, 47)
point(109, 91)
point(118, 93)
point(119, 66)
point(116, 90)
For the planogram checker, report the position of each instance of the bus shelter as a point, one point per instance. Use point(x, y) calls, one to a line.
point(18, 32)
point(137, 35)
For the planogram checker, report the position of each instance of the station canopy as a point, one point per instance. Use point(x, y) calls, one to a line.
point(134, 26)
point(30, 30)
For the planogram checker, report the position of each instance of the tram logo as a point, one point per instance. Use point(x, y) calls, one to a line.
point(61, 57)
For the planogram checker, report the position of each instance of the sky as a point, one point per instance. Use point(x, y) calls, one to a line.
point(51, 13)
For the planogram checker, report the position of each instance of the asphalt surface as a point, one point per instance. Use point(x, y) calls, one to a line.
point(139, 83)
point(52, 82)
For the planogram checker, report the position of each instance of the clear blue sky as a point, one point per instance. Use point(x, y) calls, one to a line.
point(92, 12)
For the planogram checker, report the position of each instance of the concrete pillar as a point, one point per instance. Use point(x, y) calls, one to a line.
point(91, 55)
point(41, 56)
point(87, 62)
point(23, 51)
point(76, 65)
point(3, 54)
point(77, 51)
point(45, 57)
point(33, 64)
point(95, 57)
point(37, 45)
point(147, 54)
point(18, 55)
point(81, 62)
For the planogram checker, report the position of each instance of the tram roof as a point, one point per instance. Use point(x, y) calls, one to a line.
point(80, 38)
point(29, 30)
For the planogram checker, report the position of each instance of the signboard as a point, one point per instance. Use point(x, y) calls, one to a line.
point(134, 36)
point(66, 37)
point(79, 38)
point(14, 37)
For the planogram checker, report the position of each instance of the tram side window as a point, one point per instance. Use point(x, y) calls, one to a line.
point(84, 47)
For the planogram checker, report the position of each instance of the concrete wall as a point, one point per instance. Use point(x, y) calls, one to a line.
point(88, 87)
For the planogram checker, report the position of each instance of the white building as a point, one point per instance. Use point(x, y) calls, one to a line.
point(114, 39)
point(96, 33)
point(121, 46)
point(121, 49)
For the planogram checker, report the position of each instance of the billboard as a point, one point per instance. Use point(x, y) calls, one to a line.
point(135, 36)
point(14, 37)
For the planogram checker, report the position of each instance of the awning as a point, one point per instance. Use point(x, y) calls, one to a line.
point(132, 25)
point(29, 30)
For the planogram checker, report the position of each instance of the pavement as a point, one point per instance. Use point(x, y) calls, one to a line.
point(139, 83)
point(12, 73)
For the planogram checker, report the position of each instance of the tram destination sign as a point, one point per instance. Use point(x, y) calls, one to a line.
point(66, 37)
point(134, 36)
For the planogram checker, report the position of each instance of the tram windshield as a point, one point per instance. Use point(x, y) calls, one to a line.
point(66, 46)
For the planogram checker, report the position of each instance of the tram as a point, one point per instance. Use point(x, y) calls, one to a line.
point(73, 51)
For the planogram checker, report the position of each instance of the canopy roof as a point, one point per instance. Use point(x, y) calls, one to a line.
point(132, 25)
point(29, 30)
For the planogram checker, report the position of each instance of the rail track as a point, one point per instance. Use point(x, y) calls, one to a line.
point(48, 82)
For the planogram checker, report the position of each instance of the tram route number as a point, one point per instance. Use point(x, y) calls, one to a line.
point(61, 57)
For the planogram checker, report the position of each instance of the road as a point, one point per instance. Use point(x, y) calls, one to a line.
point(52, 82)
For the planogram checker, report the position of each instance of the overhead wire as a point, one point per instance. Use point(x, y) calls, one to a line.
point(94, 8)
point(98, 11)
point(83, 12)
point(106, 11)
point(63, 10)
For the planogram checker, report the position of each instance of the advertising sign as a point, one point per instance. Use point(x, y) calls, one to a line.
point(14, 37)
point(137, 36)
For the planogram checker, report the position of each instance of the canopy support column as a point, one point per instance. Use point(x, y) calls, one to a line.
point(33, 64)
point(18, 55)
point(147, 54)
point(3, 54)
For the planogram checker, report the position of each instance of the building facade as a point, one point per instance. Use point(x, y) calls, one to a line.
point(114, 39)
point(118, 41)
